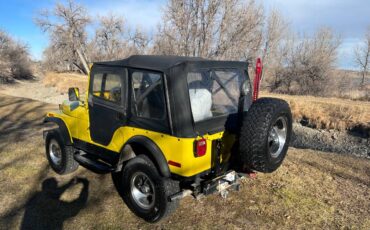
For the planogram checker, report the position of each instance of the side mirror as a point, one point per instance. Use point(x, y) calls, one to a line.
point(73, 94)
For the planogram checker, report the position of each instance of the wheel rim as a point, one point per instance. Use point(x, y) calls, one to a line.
point(55, 152)
point(142, 190)
point(277, 137)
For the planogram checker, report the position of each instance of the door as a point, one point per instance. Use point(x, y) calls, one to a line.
point(107, 102)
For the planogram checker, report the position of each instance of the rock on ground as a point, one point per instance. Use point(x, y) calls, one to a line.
point(330, 141)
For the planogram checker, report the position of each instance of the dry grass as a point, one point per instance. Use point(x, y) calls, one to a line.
point(310, 190)
point(328, 113)
point(347, 84)
point(64, 81)
point(362, 94)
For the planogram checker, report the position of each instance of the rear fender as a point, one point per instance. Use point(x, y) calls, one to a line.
point(148, 148)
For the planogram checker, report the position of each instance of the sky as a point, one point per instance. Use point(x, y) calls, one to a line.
point(348, 18)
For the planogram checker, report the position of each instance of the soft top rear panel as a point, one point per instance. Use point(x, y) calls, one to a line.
point(183, 124)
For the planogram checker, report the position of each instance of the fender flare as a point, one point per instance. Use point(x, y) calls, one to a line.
point(153, 152)
point(63, 130)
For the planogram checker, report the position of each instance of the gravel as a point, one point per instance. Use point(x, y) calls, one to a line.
point(330, 141)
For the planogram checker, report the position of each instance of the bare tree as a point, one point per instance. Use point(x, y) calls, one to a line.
point(276, 30)
point(306, 63)
point(138, 42)
point(218, 29)
point(230, 29)
point(109, 41)
point(15, 62)
point(362, 56)
point(113, 40)
point(66, 25)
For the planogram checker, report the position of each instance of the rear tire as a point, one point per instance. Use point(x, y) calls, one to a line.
point(145, 191)
point(117, 182)
point(265, 134)
point(60, 156)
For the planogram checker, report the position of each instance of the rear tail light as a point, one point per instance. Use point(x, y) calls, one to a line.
point(200, 147)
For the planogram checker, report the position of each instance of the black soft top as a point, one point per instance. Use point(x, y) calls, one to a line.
point(179, 121)
point(164, 63)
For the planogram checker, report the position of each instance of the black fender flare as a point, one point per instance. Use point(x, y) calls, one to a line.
point(63, 130)
point(153, 152)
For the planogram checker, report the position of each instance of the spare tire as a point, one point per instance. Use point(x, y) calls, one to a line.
point(265, 135)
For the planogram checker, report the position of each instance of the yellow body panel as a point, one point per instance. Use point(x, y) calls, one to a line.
point(179, 150)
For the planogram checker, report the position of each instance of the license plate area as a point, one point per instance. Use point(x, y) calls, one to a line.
point(222, 183)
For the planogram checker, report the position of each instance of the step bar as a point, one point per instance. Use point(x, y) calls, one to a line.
point(92, 163)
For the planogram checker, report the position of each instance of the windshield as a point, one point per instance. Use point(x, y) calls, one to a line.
point(214, 92)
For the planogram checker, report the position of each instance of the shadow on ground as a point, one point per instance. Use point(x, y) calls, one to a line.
point(46, 210)
point(20, 118)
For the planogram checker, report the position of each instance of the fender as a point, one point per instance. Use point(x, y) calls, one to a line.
point(153, 152)
point(63, 130)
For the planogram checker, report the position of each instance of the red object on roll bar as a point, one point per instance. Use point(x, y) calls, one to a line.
point(257, 79)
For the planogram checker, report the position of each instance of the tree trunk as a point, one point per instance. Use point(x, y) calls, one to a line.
point(81, 69)
point(83, 61)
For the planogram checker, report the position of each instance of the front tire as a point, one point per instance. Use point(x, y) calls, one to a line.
point(60, 156)
point(145, 191)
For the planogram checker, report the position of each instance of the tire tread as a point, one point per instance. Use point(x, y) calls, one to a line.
point(254, 133)
point(167, 187)
point(69, 163)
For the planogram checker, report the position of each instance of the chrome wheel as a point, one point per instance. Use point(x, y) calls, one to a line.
point(142, 190)
point(277, 137)
point(55, 152)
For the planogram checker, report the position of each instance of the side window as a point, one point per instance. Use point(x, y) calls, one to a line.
point(107, 86)
point(97, 80)
point(148, 94)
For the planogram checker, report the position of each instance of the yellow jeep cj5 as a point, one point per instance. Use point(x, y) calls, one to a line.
point(167, 127)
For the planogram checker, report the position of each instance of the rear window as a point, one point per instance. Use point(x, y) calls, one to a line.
point(214, 92)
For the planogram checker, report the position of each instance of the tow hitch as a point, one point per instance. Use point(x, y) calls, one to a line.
point(221, 185)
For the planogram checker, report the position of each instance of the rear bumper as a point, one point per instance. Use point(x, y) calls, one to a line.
point(220, 184)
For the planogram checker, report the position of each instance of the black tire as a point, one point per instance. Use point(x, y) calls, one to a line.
point(163, 188)
point(67, 163)
point(256, 141)
point(117, 182)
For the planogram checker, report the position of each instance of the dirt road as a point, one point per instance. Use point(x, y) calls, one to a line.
point(34, 90)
